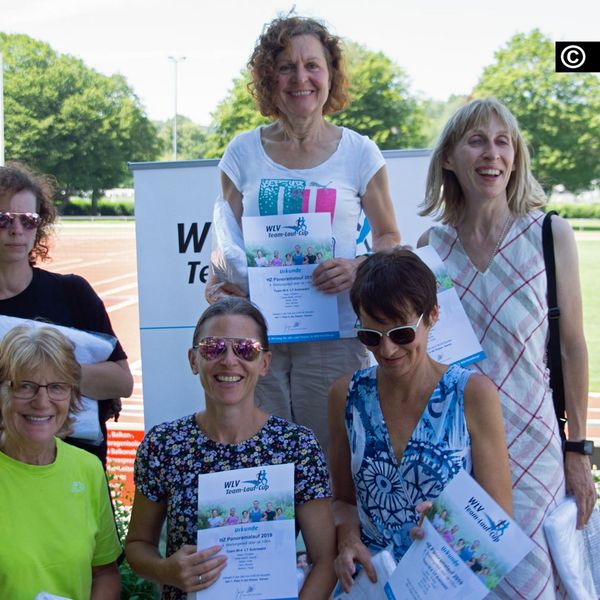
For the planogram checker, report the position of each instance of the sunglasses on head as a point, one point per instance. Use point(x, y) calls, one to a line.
point(402, 335)
point(28, 220)
point(211, 348)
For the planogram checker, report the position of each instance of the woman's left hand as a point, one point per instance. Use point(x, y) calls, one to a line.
point(418, 533)
point(579, 483)
point(336, 275)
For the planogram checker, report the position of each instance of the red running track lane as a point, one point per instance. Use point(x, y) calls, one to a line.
point(105, 255)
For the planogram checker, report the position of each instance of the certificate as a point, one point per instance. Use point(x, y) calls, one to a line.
point(470, 544)
point(452, 339)
point(282, 253)
point(250, 512)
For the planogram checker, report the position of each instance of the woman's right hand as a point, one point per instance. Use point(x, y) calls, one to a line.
point(191, 570)
point(345, 563)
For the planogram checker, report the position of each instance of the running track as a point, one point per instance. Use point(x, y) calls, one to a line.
point(105, 255)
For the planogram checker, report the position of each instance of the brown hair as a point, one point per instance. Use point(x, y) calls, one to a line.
point(392, 283)
point(16, 177)
point(443, 195)
point(25, 350)
point(233, 305)
point(276, 37)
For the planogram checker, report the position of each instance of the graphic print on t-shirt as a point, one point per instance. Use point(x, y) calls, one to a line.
point(293, 196)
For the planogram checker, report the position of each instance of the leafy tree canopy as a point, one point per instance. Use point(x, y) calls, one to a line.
point(191, 139)
point(381, 106)
point(559, 113)
point(70, 121)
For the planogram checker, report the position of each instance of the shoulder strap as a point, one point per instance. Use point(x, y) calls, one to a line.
point(554, 358)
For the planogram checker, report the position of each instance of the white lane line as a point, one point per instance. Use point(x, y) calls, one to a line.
point(90, 263)
point(116, 290)
point(111, 279)
point(121, 305)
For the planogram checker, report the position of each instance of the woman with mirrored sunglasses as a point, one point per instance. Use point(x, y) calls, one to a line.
point(27, 215)
point(229, 353)
point(400, 430)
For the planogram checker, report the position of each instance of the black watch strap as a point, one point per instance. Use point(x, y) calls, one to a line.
point(583, 447)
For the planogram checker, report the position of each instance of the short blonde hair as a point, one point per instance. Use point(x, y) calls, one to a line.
point(25, 350)
point(443, 195)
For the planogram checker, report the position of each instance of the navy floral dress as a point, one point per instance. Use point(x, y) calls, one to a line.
point(387, 492)
point(172, 455)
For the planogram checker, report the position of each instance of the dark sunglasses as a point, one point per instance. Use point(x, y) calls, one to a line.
point(402, 335)
point(28, 220)
point(211, 348)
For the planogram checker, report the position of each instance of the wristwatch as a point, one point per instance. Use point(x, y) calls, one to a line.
point(583, 447)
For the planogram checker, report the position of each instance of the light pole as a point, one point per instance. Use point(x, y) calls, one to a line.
point(175, 60)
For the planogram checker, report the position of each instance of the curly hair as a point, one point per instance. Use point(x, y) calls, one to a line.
point(26, 350)
point(276, 37)
point(16, 177)
point(443, 194)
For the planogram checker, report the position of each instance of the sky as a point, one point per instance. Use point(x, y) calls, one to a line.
point(443, 45)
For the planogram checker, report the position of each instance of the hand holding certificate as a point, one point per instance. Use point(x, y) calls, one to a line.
point(250, 513)
point(470, 543)
point(283, 251)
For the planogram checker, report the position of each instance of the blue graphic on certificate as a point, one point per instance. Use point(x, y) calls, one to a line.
point(250, 513)
point(452, 339)
point(470, 544)
point(282, 252)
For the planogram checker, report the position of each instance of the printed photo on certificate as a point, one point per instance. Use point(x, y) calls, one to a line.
point(470, 544)
point(452, 339)
point(282, 252)
point(250, 513)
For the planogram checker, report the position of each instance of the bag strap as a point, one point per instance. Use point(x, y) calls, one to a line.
point(553, 350)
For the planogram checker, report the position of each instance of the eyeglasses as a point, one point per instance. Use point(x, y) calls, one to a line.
point(28, 220)
point(27, 390)
point(405, 334)
point(211, 348)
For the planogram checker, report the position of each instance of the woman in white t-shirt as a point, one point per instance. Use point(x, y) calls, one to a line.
point(302, 163)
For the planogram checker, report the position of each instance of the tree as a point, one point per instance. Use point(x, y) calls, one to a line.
point(559, 113)
point(70, 121)
point(235, 114)
point(381, 106)
point(191, 139)
point(437, 113)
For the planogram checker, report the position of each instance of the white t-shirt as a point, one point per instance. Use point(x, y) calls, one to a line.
point(335, 186)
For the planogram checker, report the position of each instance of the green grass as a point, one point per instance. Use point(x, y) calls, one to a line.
point(585, 224)
point(589, 269)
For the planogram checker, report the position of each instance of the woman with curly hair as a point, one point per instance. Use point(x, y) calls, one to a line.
point(26, 291)
point(303, 163)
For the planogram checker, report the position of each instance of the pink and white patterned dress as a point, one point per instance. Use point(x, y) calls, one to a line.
point(507, 307)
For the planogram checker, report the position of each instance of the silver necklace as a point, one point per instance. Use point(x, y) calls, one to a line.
point(500, 238)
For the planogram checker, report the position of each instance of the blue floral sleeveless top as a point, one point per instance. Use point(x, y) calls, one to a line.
point(387, 492)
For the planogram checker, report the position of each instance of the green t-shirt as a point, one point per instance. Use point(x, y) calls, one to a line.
point(56, 523)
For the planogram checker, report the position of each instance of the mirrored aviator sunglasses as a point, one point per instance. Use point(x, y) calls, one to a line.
point(401, 335)
point(28, 220)
point(211, 348)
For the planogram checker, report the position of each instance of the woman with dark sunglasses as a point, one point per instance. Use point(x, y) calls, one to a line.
point(402, 429)
point(229, 354)
point(27, 215)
